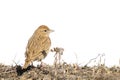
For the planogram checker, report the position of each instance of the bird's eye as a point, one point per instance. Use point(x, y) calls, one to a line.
point(45, 30)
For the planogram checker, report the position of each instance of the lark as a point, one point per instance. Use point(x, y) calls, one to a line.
point(38, 45)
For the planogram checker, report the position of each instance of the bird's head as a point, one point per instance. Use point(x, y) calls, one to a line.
point(43, 30)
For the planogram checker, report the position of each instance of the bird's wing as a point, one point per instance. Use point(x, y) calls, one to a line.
point(37, 46)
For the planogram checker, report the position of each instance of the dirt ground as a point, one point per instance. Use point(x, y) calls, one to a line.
point(60, 72)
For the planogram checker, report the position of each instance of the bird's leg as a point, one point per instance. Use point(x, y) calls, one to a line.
point(32, 64)
point(42, 64)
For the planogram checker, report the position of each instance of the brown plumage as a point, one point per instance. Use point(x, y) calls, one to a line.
point(38, 45)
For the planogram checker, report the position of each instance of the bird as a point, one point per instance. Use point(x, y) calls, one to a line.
point(38, 45)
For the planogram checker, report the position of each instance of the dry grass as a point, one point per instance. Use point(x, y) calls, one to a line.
point(60, 71)
point(64, 72)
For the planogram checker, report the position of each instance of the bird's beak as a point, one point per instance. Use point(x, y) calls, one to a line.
point(51, 30)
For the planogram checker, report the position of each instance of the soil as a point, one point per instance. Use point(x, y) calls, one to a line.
point(60, 72)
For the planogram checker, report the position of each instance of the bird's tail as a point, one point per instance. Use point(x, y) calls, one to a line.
point(26, 64)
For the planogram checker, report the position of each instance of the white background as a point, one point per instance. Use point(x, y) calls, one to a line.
point(84, 28)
